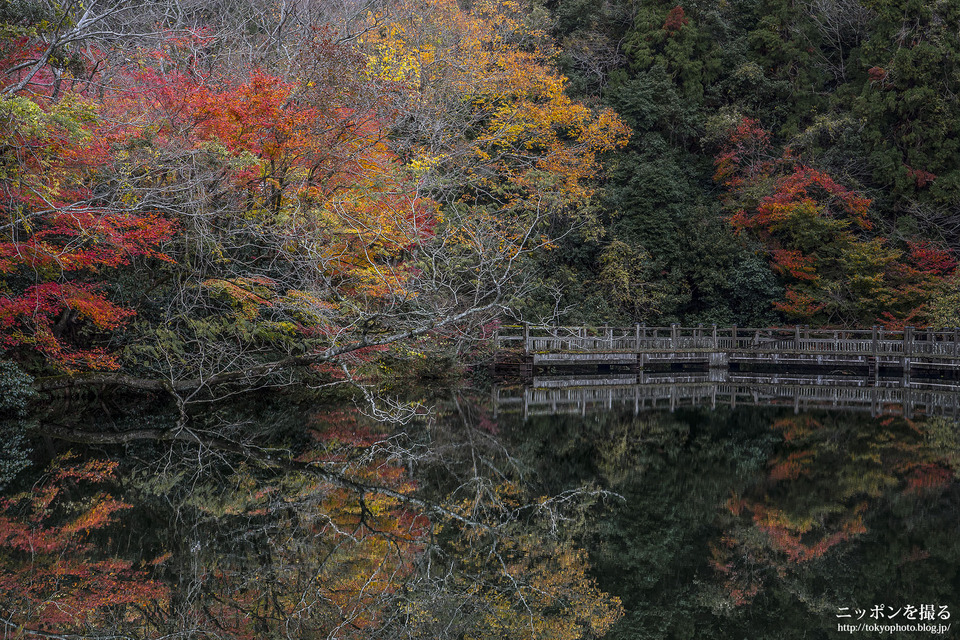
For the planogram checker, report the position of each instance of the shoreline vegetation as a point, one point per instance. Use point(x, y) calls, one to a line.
point(210, 195)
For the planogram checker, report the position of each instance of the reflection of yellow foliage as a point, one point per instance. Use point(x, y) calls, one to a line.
point(942, 435)
point(525, 583)
point(537, 588)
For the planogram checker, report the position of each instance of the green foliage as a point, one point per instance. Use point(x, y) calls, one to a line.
point(658, 191)
point(22, 18)
point(16, 397)
point(16, 391)
point(909, 100)
point(944, 308)
point(625, 277)
point(865, 91)
point(666, 36)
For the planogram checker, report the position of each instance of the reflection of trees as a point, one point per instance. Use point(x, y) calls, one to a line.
point(731, 528)
point(672, 471)
point(821, 488)
point(259, 525)
point(514, 580)
point(53, 571)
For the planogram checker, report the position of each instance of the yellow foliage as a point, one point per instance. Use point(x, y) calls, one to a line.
point(531, 145)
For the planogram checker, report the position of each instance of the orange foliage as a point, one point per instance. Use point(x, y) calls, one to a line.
point(928, 477)
point(307, 159)
point(817, 495)
point(791, 468)
point(787, 538)
point(530, 146)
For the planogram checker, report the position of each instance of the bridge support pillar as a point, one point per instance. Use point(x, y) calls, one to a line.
point(873, 368)
point(717, 374)
point(719, 360)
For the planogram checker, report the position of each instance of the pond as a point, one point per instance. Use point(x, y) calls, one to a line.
point(670, 508)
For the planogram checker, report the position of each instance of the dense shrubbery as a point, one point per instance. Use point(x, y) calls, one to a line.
point(194, 202)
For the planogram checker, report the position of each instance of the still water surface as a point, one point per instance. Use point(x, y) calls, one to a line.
point(680, 509)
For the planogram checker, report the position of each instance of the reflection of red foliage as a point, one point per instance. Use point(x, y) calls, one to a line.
point(791, 468)
point(50, 574)
point(741, 585)
point(928, 477)
point(794, 428)
point(817, 494)
point(784, 540)
point(735, 504)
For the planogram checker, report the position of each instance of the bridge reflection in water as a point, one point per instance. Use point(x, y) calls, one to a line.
point(645, 392)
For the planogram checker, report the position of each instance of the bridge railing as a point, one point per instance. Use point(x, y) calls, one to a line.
point(640, 338)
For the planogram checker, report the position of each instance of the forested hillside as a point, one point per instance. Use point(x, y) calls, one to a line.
point(791, 162)
point(201, 193)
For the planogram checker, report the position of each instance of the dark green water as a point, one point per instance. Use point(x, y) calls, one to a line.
point(280, 517)
point(763, 523)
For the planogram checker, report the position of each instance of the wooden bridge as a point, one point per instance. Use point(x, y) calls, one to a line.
point(641, 392)
point(531, 348)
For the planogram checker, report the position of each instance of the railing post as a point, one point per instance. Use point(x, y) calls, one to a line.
point(908, 341)
point(796, 338)
point(873, 335)
point(733, 334)
point(673, 335)
point(637, 336)
point(956, 331)
point(526, 338)
point(715, 347)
